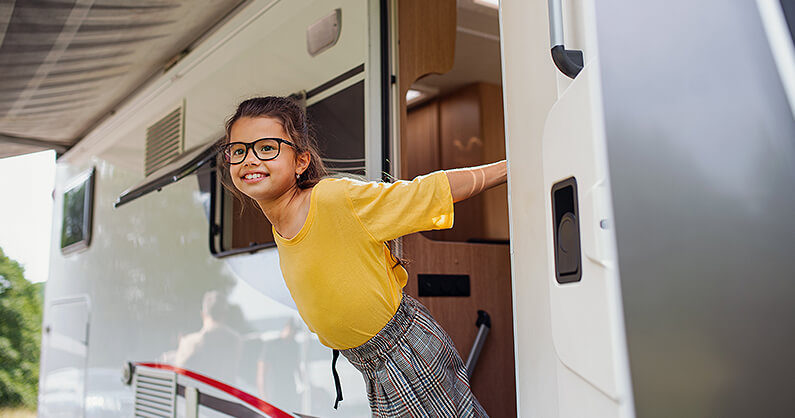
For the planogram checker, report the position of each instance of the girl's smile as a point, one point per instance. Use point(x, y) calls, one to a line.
point(252, 177)
point(264, 181)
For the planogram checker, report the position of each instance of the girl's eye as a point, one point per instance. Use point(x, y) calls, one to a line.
point(238, 151)
point(266, 148)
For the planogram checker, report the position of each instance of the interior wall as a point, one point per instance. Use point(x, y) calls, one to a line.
point(421, 141)
point(488, 268)
point(249, 226)
point(461, 145)
point(495, 200)
point(462, 129)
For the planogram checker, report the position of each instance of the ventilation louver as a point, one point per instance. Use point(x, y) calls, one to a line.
point(165, 140)
point(155, 393)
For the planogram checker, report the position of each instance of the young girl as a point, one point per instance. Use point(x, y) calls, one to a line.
point(331, 236)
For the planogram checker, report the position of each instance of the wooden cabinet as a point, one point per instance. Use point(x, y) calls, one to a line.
point(462, 129)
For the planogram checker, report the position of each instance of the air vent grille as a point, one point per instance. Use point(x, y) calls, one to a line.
point(155, 393)
point(165, 140)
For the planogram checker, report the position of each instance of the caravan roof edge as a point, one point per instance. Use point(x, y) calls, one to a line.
point(108, 131)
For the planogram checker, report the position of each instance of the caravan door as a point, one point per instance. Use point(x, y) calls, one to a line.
point(571, 357)
point(648, 183)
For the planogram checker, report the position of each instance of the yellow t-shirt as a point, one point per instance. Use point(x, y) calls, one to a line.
point(338, 268)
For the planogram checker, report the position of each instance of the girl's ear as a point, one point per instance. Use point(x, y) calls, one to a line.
point(302, 161)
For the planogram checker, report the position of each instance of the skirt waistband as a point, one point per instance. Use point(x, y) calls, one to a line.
point(367, 355)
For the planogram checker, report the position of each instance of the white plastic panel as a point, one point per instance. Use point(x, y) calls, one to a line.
point(65, 352)
point(587, 321)
point(529, 91)
point(571, 359)
point(579, 399)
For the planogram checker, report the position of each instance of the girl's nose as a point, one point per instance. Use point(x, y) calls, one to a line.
point(251, 158)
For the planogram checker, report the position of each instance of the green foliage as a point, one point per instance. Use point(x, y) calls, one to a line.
point(20, 335)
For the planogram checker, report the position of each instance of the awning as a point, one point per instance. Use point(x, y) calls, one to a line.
point(184, 165)
point(66, 64)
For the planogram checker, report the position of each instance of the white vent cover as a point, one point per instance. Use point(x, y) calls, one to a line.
point(324, 33)
point(165, 140)
point(155, 393)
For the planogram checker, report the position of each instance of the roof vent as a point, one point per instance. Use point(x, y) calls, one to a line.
point(165, 139)
point(155, 393)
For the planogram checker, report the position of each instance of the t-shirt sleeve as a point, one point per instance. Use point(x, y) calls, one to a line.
point(391, 210)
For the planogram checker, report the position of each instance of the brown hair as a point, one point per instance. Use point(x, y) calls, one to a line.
point(293, 119)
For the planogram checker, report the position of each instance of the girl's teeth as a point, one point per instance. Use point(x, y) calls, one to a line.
point(253, 176)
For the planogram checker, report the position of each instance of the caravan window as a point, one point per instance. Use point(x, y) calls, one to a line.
point(336, 115)
point(78, 200)
point(235, 226)
point(338, 123)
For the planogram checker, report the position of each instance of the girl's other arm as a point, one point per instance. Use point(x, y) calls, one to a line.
point(467, 182)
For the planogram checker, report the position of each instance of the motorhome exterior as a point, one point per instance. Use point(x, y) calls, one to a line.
point(635, 265)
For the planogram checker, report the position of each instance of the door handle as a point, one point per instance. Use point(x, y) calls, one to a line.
point(569, 62)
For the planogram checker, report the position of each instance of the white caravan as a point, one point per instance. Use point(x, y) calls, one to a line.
point(634, 265)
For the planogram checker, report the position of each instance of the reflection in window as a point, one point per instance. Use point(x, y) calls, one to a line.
point(338, 122)
point(76, 223)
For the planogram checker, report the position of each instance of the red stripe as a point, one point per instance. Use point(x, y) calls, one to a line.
point(257, 403)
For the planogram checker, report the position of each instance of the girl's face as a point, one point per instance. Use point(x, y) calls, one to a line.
point(265, 180)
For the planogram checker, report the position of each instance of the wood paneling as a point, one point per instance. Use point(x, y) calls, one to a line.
point(495, 200)
point(426, 35)
point(250, 226)
point(459, 128)
point(461, 144)
point(426, 45)
point(462, 129)
point(421, 144)
point(488, 266)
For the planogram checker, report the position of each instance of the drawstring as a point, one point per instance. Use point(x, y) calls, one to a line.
point(336, 377)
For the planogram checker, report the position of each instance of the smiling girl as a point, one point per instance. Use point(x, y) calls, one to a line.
point(331, 235)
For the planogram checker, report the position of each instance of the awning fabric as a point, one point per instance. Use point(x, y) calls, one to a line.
point(66, 64)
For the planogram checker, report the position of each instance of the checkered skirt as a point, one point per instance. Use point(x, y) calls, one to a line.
point(412, 369)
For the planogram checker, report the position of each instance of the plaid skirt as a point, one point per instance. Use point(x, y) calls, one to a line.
point(412, 369)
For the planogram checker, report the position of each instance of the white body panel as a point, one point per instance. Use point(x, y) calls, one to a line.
point(149, 265)
point(65, 355)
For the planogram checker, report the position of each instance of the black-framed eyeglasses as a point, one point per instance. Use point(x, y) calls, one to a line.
point(264, 148)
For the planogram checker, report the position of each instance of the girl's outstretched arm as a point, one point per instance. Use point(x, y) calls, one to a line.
point(467, 182)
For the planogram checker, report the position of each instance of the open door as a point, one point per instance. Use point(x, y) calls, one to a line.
point(569, 325)
point(450, 117)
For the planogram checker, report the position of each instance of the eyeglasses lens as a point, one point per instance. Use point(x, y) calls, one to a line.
point(264, 149)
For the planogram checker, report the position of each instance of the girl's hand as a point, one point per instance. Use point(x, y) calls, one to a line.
point(467, 182)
